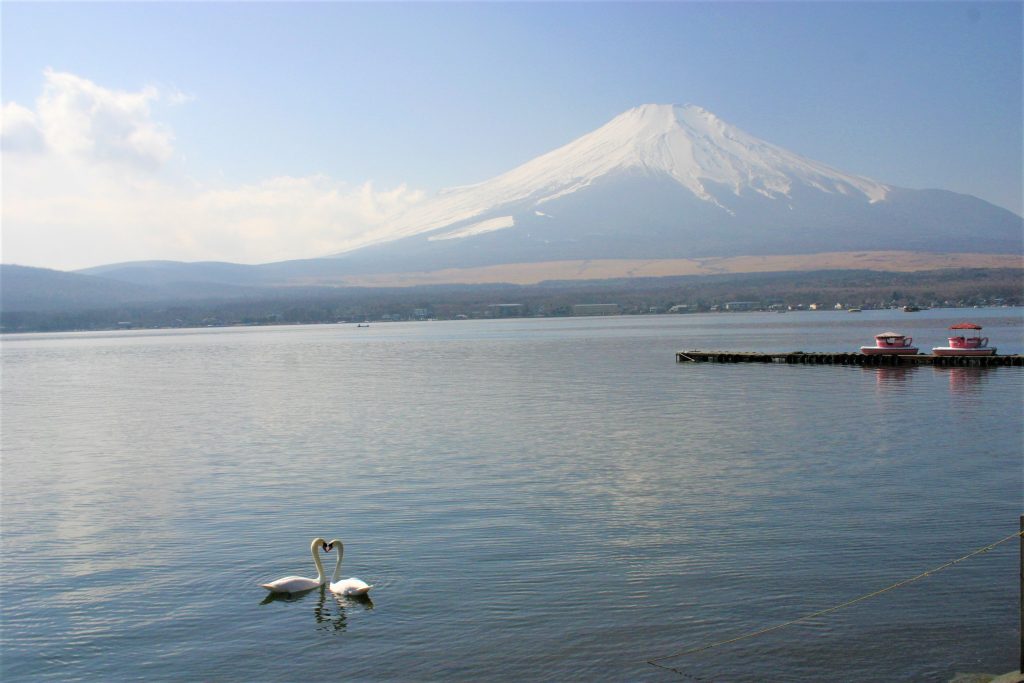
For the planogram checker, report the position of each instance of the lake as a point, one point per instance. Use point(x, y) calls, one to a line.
point(537, 499)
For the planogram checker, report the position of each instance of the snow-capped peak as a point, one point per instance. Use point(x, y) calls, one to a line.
point(695, 147)
point(688, 143)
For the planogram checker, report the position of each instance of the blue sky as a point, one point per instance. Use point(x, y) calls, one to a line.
point(388, 102)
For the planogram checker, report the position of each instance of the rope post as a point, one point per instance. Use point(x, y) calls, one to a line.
point(1021, 669)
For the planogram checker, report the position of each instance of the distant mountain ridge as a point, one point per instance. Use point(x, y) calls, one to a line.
point(23, 288)
point(40, 289)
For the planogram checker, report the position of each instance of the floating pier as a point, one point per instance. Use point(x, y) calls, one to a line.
point(882, 360)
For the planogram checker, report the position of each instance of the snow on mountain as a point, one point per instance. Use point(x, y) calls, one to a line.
point(661, 181)
point(476, 228)
point(688, 143)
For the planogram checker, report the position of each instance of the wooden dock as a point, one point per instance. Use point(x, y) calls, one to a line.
point(801, 358)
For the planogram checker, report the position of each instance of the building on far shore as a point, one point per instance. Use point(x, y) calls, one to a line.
point(595, 309)
point(741, 305)
point(505, 310)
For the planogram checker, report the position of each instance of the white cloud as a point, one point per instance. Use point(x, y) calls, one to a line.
point(20, 131)
point(88, 180)
point(82, 120)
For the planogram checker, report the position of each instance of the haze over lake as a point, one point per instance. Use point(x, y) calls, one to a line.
point(543, 499)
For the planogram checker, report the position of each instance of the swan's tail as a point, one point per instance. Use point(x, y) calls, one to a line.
point(359, 591)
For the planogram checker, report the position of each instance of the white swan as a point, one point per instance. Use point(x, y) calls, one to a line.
point(297, 584)
point(351, 586)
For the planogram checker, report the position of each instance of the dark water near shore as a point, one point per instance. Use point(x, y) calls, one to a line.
point(533, 500)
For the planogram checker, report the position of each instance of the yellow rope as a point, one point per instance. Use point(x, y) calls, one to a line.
point(654, 661)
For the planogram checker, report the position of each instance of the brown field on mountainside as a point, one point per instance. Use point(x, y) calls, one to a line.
point(606, 269)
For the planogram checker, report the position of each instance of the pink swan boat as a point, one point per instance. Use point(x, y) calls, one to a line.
point(890, 343)
point(964, 345)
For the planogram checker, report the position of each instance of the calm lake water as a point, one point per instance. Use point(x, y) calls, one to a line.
point(532, 499)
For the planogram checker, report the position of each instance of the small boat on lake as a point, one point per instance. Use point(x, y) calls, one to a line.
point(890, 343)
point(965, 345)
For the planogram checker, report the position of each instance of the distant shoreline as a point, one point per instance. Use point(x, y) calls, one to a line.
point(365, 323)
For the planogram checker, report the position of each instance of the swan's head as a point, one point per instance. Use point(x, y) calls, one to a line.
point(336, 543)
point(317, 544)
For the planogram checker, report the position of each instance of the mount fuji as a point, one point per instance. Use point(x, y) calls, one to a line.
point(665, 181)
point(658, 190)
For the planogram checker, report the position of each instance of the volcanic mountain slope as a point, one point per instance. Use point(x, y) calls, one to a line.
point(663, 181)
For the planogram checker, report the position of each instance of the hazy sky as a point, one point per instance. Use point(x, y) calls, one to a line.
point(255, 132)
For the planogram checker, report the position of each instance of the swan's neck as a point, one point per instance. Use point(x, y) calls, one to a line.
point(320, 578)
point(337, 564)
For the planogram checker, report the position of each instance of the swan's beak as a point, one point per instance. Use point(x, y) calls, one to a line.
point(327, 548)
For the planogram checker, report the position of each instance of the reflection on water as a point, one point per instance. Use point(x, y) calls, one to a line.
point(288, 597)
point(965, 380)
point(329, 609)
point(329, 615)
point(891, 377)
point(961, 380)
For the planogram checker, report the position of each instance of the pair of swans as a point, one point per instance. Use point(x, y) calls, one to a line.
point(298, 584)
